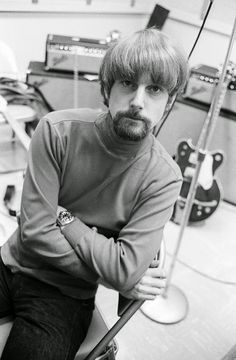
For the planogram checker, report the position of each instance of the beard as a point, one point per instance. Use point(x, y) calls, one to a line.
point(129, 125)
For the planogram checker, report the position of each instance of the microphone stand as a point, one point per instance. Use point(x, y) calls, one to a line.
point(75, 78)
point(172, 306)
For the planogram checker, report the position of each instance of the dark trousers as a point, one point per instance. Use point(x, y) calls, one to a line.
point(47, 324)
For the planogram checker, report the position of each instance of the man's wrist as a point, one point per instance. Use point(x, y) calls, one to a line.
point(64, 218)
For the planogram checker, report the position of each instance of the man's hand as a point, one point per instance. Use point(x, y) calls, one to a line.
point(151, 284)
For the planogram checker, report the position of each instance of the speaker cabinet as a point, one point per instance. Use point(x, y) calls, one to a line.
point(186, 121)
point(62, 90)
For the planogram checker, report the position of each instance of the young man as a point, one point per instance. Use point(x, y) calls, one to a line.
point(119, 186)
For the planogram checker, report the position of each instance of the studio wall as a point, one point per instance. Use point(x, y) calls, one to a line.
point(26, 31)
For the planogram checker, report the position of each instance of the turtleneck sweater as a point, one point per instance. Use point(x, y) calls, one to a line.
point(121, 193)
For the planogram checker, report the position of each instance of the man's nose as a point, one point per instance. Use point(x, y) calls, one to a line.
point(137, 100)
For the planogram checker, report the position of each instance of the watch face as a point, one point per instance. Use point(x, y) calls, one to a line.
point(64, 218)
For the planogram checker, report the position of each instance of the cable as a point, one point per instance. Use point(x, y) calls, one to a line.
point(157, 130)
point(36, 88)
point(201, 28)
point(225, 282)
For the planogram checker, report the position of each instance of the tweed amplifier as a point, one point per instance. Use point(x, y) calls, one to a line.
point(202, 83)
point(58, 88)
point(66, 53)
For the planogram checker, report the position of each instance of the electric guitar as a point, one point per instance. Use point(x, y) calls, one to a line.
point(208, 190)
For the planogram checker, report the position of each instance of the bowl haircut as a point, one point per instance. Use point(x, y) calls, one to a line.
point(148, 51)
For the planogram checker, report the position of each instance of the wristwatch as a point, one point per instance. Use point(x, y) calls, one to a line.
point(64, 218)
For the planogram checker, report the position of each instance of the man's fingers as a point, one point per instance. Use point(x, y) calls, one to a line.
point(150, 282)
point(148, 292)
point(156, 273)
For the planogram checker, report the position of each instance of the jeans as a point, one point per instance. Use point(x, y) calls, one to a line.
point(47, 324)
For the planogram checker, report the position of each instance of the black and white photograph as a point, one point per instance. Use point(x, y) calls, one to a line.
point(117, 179)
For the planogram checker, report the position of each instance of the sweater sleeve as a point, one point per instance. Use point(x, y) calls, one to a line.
point(39, 234)
point(122, 263)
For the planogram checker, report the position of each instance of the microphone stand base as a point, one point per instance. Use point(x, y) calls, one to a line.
point(170, 308)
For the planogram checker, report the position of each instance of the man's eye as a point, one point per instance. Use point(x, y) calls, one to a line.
point(126, 83)
point(154, 89)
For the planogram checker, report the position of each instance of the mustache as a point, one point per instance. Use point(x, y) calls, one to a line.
point(134, 115)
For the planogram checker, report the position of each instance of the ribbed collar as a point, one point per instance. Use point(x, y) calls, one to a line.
point(116, 145)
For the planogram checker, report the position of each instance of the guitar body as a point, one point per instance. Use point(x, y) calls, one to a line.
point(208, 193)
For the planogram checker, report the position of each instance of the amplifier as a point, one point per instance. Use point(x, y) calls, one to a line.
point(59, 88)
point(66, 53)
point(201, 86)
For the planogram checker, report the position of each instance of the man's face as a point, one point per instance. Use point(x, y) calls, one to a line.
point(136, 107)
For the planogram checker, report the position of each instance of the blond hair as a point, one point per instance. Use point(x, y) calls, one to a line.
point(147, 51)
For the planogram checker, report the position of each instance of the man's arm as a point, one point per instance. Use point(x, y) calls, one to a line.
point(151, 284)
point(122, 263)
point(39, 233)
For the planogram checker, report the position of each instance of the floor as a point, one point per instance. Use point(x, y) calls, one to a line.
point(205, 271)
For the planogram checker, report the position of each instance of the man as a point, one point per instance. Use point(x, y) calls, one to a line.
point(119, 185)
